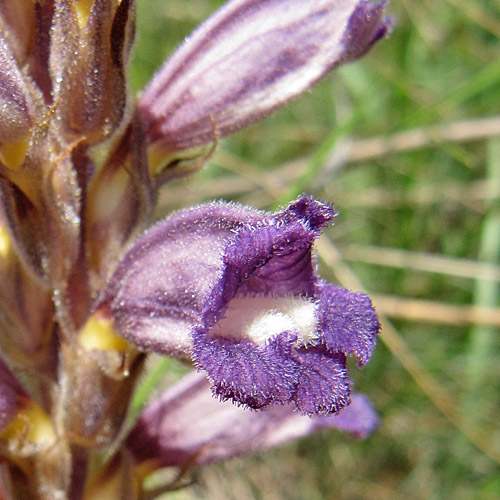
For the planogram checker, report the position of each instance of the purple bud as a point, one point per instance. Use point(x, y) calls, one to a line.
point(188, 426)
point(87, 64)
point(250, 58)
point(236, 289)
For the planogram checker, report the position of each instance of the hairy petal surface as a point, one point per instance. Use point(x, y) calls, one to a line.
point(323, 386)
point(348, 322)
point(236, 290)
point(159, 290)
point(186, 425)
point(253, 376)
point(250, 58)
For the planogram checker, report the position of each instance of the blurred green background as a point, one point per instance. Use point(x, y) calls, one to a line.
point(406, 143)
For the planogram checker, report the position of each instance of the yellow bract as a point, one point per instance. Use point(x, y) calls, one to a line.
point(30, 425)
point(83, 10)
point(13, 153)
point(98, 334)
point(4, 243)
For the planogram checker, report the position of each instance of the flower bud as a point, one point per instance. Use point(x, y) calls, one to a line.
point(91, 43)
point(15, 119)
point(249, 59)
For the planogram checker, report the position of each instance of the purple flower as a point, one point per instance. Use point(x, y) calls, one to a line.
point(187, 425)
point(237, 290)
point(249, 59)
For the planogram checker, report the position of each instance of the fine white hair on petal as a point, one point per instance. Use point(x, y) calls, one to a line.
point(262, 317)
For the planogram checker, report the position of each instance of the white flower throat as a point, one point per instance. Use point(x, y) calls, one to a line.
point(260, 318)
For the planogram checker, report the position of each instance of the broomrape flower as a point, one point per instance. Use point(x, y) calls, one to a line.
point(239, 289)
point(230, 289)
point(172, 431)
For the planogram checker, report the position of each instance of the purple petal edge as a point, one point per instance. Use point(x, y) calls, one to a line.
point(348, 322)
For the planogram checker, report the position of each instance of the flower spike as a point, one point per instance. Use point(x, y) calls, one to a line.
point(85, 298)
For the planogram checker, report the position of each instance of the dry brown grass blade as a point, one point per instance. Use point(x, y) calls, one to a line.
point(424, 137)
point(420, 261)
point(429, 311)
point(475, 193)
point(391, 338)
point(272, 182)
